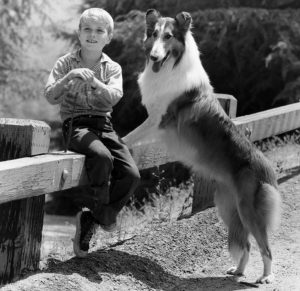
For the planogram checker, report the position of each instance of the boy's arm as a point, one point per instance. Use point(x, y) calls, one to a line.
point(112, 91)
point(56, 84)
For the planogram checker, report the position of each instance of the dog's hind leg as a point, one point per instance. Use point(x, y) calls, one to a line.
point(268, 212)
point(255, 206)
point(238, 235)
point(238, 244)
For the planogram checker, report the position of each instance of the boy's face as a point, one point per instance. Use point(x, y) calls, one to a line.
point(93, 34)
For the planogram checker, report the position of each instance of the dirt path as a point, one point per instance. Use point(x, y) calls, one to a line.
point(186, 255)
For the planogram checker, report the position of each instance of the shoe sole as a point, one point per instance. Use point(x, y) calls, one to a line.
point(76, 242)
point(109, 228)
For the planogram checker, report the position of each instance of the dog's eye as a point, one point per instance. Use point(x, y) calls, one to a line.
point(168, 36)
point(155, 34)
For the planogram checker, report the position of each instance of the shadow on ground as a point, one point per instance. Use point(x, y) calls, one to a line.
point(289, 175)
point(141, 269)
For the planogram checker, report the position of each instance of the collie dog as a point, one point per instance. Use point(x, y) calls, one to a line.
point(197, 131)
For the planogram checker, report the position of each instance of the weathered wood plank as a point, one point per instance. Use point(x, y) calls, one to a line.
point(229, 104)
point(34, 176)
point(270, 122)
point(22, 220)
point(23, 137)
point(20, 236)
point(150, 151)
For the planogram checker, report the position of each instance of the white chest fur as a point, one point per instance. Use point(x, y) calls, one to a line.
point(160, 89)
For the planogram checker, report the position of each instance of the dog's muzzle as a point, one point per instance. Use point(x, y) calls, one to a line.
point(158, 64)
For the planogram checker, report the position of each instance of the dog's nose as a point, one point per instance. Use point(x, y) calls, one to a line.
point(153, 58)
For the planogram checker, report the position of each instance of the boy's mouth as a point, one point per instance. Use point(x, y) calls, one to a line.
point(91, 41)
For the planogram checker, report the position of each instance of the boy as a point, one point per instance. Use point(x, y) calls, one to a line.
point(87, 84)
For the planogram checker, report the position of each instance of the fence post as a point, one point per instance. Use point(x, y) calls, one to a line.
point(204, 188)
point(21, 221)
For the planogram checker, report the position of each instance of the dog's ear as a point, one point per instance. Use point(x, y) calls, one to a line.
point(152, 17)
point(184, 20)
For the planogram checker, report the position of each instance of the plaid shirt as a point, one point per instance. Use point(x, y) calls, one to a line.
point(88, 101)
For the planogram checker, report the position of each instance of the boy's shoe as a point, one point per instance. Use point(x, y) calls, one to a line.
point(85, 226)
point(109, 228)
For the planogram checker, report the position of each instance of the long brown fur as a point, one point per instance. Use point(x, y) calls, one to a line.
point(200, 134)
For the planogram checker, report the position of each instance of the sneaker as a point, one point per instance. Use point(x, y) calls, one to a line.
point(85, 226)
point(109, 228)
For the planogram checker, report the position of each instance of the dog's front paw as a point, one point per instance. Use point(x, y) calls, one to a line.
point(234, 271)
point(266, 279)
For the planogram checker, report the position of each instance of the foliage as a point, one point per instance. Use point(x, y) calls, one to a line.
point(18, 80)
point(126, 49)
point(13, 15)
point(234, 45)
point(171, 7)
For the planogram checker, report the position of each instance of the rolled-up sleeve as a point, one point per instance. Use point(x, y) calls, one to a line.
point(112, 91)
point(54, 88)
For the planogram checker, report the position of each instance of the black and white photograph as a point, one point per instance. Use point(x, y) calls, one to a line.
point(149, 145)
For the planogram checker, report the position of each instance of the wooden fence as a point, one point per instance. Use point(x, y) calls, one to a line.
point(28, 171)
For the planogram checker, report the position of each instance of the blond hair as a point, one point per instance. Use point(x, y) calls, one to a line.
point(97, 14)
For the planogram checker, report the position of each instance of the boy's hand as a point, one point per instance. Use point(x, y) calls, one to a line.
point(76, 85)
point(85, 74)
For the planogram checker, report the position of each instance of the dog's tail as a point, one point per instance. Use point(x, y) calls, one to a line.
point(268, 206)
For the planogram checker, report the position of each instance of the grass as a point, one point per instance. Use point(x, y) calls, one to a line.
point(290, 137)
point(175, 203)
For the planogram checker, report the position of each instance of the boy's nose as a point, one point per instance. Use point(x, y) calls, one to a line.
point(92, 32)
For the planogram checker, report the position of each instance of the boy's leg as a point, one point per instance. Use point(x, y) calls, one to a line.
point(106, 156)
point(99, 163)
point(125, 179)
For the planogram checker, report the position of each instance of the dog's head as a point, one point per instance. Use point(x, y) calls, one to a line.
point(165, 38)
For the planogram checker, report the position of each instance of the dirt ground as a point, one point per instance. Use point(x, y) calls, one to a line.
point(185, 255)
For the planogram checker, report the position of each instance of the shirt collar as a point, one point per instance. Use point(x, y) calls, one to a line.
point(76, 55)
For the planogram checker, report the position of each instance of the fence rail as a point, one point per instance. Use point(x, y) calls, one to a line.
point(148, 150)
point(28, 172)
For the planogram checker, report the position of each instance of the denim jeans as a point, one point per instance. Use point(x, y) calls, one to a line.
point(112, 172)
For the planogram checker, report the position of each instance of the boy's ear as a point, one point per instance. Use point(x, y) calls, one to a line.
point(78, 32)
point(110, 36)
